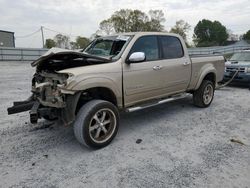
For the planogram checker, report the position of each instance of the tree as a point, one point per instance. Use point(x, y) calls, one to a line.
point(127, 20)
point(50, 43)
point(246, 36)
point(182, 28)
point(73, 45)
point(208, 33)
point(107, 26)
point(82, 42)
point(156, 19)
point(62, 41)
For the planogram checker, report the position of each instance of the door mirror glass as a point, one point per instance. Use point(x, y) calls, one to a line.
point(137, 57)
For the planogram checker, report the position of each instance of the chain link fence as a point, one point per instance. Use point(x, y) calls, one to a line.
point(220, 49)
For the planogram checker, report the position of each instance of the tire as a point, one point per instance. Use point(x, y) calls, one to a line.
point(96, 124)
point(204, 95)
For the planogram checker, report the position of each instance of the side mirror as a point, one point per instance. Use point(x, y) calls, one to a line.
point(136, 57)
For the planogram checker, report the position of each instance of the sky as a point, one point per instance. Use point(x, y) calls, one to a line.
point(82, 17)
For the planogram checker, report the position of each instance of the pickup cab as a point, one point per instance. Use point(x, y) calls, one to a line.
point(124, 72)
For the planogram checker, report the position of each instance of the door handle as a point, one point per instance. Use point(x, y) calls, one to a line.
point(158, 67)
point(186, 63)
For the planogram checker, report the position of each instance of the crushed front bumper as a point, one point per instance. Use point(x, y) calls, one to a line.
point(36, 109)
point(39, 110)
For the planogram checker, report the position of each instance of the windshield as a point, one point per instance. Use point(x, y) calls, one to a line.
point(243, 56)
point(109, 46)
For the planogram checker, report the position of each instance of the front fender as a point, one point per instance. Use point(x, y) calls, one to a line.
point(205, 70)
point(92, 82)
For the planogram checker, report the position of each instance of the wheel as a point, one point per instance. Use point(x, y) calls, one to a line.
point(204, 95)
point(96, 123)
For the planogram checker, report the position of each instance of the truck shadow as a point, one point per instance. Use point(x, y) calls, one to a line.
point(153, 115)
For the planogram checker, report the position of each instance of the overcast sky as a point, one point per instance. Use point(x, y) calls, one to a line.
point(82, 17)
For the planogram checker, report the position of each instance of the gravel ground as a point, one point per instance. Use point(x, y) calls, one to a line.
point(181, 145)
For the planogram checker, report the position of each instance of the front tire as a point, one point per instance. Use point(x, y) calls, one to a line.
point(96, 124)
point(204, 95)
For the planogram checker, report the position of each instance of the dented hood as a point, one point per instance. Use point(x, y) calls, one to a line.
point(59, 52)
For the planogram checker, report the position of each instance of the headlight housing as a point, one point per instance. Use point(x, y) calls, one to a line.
point(70, 77)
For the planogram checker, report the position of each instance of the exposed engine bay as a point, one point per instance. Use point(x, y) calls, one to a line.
point(46, 88)
point(47, 82)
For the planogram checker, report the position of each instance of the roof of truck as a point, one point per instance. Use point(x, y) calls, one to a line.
point(147, 33)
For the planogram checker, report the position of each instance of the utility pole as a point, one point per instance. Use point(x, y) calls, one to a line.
point(42, 36)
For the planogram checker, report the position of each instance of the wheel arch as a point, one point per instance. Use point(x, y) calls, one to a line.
point(102, 93)
point(76, 101)
point(208, 74)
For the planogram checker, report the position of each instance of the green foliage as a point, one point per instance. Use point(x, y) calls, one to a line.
point(182, 28)
point(127, 20)
point(50, 43)
point(246, 36)
point(208, 33)
point(82, 42)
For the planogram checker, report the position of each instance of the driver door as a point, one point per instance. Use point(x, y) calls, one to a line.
point(143, 81)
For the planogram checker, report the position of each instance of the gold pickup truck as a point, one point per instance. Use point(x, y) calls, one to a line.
point(123, 72)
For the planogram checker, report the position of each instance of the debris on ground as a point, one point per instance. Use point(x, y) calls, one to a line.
point(138, 141)
point(237, 141)
point(45, 125)
point(46, 156)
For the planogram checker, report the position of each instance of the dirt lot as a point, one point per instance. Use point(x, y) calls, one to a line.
point(182, 146)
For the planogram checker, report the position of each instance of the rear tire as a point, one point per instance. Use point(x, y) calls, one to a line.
point(96, 124)
point(204, 95)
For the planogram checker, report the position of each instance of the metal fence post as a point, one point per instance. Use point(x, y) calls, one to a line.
point(2, 53)
point(21, 54)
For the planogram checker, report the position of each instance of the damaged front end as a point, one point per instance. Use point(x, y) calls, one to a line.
point(50, 99)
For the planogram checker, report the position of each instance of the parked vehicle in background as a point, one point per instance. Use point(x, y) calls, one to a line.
point(124, 72)
point(240, 62)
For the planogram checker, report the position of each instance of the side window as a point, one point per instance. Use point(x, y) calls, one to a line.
point(171, 47)
point(148, 45)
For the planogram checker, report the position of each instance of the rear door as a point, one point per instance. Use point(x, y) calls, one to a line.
point(176, 65)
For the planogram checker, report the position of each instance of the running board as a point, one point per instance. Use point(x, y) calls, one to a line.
point(173, 98)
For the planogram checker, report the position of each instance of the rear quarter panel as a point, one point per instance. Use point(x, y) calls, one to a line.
point(203, 65)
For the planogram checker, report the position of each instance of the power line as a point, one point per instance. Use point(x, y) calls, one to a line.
point(60, 32)
point(29, 35)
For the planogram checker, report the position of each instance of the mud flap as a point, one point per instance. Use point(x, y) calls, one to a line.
point(68, 113)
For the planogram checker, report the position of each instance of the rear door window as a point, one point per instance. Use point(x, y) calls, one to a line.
point(171, 47)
